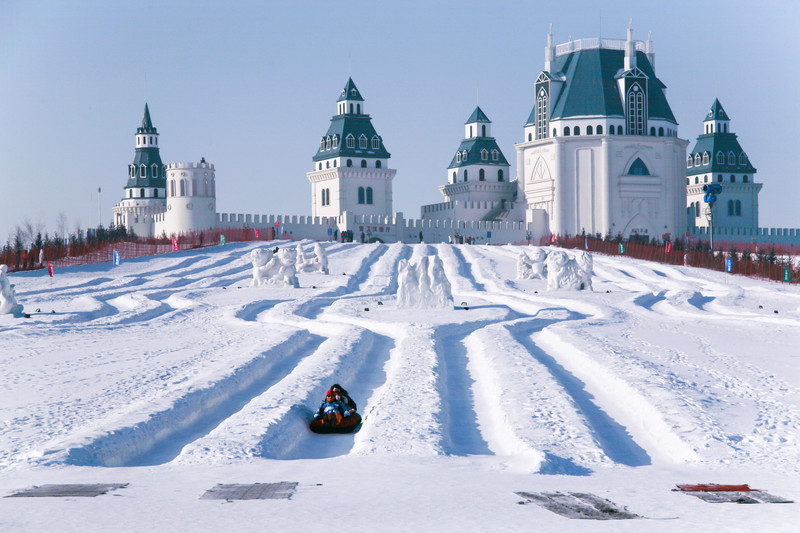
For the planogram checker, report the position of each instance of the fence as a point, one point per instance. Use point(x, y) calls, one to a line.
point(745, 263)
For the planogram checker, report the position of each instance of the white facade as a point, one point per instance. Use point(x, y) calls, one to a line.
point(191, 199)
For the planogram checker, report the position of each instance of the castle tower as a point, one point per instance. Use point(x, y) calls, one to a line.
point(191, 198)
point(478, 184)
point(717, 157)
point(600, 152)
point(351, 166)
point(145, 191)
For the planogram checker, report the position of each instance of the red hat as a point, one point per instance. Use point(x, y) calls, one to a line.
point(329, 393)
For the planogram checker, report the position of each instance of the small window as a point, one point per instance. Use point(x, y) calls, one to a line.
point(660, 132)
point(328, 143)
point(458, 157)
point(738, 208)
point(731, 159)
point(481, 175)
point(697, 160)
point(362, 141)
point(358, 109)
point(745, 179)
point(378, 163)
point(141, 193)
point(589, 130)
point(530, 138)
point(730, 208)
point(500, 174)
point(495, 155)
point(376, 143)
point(566, 131)
point(363, 163)
point(600, 129)
point(327, 164)
point(334, 163)
point(697, 209)
point(742, 159)
point(143, 171)
point(483, 130)
point(322, 144)
point(351, 109)
point(349, 162)
point(484, 155)
point(689, 162)
point(705, 158)
point(465, 174)
point(720, 158)
point(454, 177)
point(554, 133)
point(696, 180)
point(576, 130)
point(335, 142)
point(733, 178)
point(719, 178)
point(361, 193)
point(652, 131)
point(369, 195)
point(351, 141)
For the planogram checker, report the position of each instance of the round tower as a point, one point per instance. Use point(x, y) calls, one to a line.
point(191, 197)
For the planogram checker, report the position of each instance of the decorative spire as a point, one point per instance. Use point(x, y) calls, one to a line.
point(630, 48)
point(549, 52)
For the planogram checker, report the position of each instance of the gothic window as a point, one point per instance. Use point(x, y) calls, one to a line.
point(566, 131)
point(745, 179)
point(349, 162)
point(733, 178)
point(335, 142)
point(484, 154)
point(720, 158)
point(652, 131)
point(738, 208)
point(689, 162)
point(378, 163)
point(465, 174)
point(458, 157)
point(351, 141)
point(742, 159)
point(705, 158)
point(541, 114)
point(183, 188)
point(369, 195)
point(483, 130)
point(481, 175)
point(638, 168)
point(376, 142)
point(600, 129)
point(495, 155)
point(172, 188)
point(697, 160)
point(576, 130)
point(361, 195)
point(660, 132)
point(730, 208)
point(500, 174)
point(454, 177)
point(363, 163)
point(731, 159)
point(141, 193)
point(589, 130)
point(143, 171)
point(328, 143)
point(322, 144)
point(636, 112)
point(362, 141)
point(719, 178)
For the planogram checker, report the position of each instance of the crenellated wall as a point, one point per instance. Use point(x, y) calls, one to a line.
point(777, 236)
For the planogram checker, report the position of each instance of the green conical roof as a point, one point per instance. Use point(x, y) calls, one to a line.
point(350, 92)
point(478, 116)
point(147, 124)
point(716, 112)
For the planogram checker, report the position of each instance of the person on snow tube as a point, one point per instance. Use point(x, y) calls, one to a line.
point(332, 410)
point(344, 396)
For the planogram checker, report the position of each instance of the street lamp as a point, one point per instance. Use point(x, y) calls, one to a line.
point(709, 213)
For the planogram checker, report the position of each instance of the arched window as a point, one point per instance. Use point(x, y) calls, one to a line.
point(351, 141)
point(742, 159)
point(327, 164)
point(376, 142)
point(500, 174)
point(697, 160)
point(589, 130)
point(576, 130)
point(458, 157)
point(454, 177)
point(183, 188)
point(697, 209)
point(541, 115)
point(554, 132)
point(635, 110)
point(652, 131)
point(733, 178)
point(689, 162)
point(599, 129)
point(141, 193)
point(731, 159)
point(719, 178)
point(745, 179)
point(349, 162)
point(705, 158)
point(465, 174)
point(730, 208)
point(363, 163)
point(638, 168)
point(481, 175)
point(495, 155)
point(362, 142)
point(566, 131)
point(351, 109)
point(328, 143)
point(369, 195)
point(378, 163)
point(696, 180)
point(335, 142)
point(720, 158)
point(738, 208)
point(361, 195)
point(172, 188)
point(660, 132)
point(334, 163)
point(483, 130)
point(529, 137)
point(484, 154)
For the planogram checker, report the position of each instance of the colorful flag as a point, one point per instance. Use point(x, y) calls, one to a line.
point(787, 276)
point(256, 233)
point(669, 247)
point(50, 268)
point(222, 240)
point(621, 248)
point(174, 244)
point(116, 258)
point(586, 243)
point(728, 264)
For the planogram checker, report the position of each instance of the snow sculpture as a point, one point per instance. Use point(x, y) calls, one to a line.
point(302, 261)
point(532, 265)
point(423, 284)
point(320, 258)
point(259, 257)
point(8, 300)
point(564, 272)
point(316, 261)
point(288, 271)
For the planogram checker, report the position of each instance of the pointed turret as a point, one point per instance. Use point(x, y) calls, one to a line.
point(477, 125)
point(717, 120)
point(351, 102)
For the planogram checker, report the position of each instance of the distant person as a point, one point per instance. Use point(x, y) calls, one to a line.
point(341, 394)
point(332, 411)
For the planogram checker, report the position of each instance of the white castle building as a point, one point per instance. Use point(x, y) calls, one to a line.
point(600, 155)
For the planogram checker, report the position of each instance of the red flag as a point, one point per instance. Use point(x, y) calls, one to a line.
point(174, 245)
point(256, 233)
point(669, 247)
point(552, 238)
point(50, 268)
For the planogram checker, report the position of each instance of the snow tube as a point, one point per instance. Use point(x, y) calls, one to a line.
point(336, 424)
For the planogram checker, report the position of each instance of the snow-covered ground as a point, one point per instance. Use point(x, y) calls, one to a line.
point(173, 374)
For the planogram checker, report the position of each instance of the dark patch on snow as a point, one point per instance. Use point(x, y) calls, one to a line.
point(251, 491)
point(555, 465)
point(89, 490)
point(750, 496)
point(579, 505)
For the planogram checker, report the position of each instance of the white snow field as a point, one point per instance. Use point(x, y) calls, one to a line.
point(173, 374)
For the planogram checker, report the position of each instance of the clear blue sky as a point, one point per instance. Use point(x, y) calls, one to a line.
point(251, 86)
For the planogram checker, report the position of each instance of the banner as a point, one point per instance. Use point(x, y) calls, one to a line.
point(621, 248)
point(586, 244)
point(174, 244)
point(787, 276)
point(116, 258)
point(50, 268)
point(552, 239)
point(669, 247)
point(256, 233)
point(728, 264)
point(222, 240)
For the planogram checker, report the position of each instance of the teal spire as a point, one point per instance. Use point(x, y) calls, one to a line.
point(477, 116)
point(147, 124)
point(716, 112)
point(350, 92)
